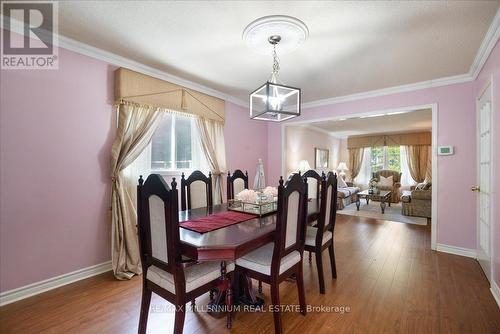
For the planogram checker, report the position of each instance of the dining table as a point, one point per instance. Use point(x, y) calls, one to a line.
point(230, 243)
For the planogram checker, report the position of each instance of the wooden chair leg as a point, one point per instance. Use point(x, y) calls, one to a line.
point(319, 266)
point(301, 291)
point(310, 257)
point(275, 299)
point(331, 250)
point(145, 302)
point(180, 315)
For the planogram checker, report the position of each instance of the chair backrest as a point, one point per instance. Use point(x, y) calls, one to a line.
point(313, 183)
point(158, 223)
point(396, 176)
point(236, 183)
point(291, 218)
point(196, 191)
point(328, 207)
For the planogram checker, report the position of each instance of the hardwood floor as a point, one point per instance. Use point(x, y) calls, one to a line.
point(387, 276)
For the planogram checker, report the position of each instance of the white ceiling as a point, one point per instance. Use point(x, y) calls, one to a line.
point(352, 47)
point(414, 121)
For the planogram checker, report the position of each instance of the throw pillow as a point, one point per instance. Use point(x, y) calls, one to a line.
point(420, 186)
point(385, 181)
point(341, 183)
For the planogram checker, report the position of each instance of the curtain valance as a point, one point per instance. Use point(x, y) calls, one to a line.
point(406, 139)
point(143, 89)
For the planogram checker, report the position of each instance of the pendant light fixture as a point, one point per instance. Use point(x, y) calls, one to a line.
point(274, 101)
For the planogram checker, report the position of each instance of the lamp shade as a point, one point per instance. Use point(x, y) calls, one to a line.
point(342, 167)
point(303, 166)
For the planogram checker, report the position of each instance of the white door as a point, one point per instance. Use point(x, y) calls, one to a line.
point(484, 114)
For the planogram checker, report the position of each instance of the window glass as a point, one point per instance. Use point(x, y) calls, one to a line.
point(161, 145)
point(377, 158)
point(393, 161)
point(183, 142)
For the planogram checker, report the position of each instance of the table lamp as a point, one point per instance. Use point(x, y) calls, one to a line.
point(303, 166)
point(342, 168)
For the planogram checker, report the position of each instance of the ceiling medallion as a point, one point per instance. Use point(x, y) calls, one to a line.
point(274, 101)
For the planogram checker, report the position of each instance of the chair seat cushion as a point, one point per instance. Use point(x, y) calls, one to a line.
point(196, 275)
point(260, 260)
point(311, 236)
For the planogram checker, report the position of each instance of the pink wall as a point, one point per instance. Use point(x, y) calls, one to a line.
point(491, 70)
point(56, 130)
point(301, 143)
point(246, 140)
point(456, 126)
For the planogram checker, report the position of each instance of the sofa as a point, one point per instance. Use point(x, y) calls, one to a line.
point(396, 185)
point(417, 202)
point(346, 195)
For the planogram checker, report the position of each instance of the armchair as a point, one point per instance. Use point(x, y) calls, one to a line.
point(396, 176)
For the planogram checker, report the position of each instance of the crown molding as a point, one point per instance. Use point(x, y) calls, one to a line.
point(114, 59)
point(489, 42)
point(482, 55)
point(457, 79)
point(315, 128)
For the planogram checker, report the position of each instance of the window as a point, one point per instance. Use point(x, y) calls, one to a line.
point(175, 144)
point(385, 157)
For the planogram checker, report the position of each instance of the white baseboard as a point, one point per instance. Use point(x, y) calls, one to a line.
point(468, 252)
point(26, 291)
point(495, 291)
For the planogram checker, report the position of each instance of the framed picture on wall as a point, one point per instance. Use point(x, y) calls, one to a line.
point(321, 160)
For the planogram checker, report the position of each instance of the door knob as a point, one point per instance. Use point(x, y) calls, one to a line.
point(476, 188)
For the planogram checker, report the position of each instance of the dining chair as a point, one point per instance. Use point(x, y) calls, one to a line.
point(320, 237)
point(313, 183)
point(159, 243)
point(281, 259)
point(196, 191)
point(236, 183)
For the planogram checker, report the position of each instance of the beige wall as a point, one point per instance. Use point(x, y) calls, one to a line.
point(301, 142)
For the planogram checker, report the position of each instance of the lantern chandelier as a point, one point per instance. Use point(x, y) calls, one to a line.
point(274, 101)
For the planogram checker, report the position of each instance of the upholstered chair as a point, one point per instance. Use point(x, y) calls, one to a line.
point(320, 237)
point(236, 183)
point(196, 191)
point(396, 185)
point(159, 241)
point(279, 260)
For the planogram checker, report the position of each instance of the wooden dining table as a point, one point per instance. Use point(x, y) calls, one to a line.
point(230, 243)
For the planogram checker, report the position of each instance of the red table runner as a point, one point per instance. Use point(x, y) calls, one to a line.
point(216, 221)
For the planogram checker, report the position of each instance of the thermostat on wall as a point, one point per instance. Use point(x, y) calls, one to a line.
point(445, 150)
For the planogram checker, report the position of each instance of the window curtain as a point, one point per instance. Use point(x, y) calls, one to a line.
point(212, 144)
point(365, 172)
point(419, 162)
point(355, 160)
point(136, 125)
point(406, 180)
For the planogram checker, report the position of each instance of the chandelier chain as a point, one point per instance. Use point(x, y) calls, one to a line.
point(276, 64)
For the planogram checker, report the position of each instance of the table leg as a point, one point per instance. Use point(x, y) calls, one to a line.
point(247, 293)
point(382, 205)
point(358, 203)
point(367, 201)
point(224, 296)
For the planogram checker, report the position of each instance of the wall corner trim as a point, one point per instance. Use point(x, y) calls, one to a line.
point(36, 288)
point(495, 291)
point(461, 251)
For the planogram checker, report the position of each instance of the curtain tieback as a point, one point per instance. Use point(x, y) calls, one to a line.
point(217, 173)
